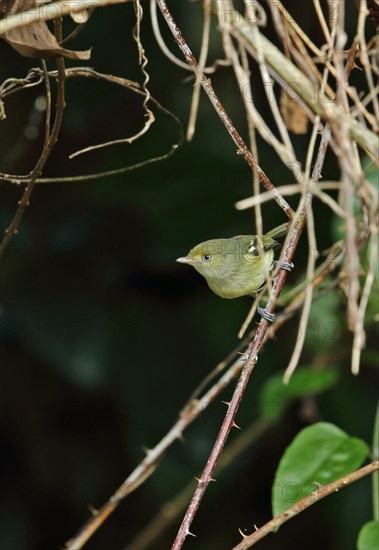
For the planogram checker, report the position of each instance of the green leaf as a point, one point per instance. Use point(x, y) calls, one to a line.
point(368, 538)
point(320, 453)
point(275, 395)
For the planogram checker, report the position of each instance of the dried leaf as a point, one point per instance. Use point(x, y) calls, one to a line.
point(294, 115)
point(35, 40)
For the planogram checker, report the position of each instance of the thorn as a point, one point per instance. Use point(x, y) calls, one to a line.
point(244, 355)
point(234, 425)
point(212, 479)
point(255, 527)
point(146, 450)
point(189, 533)
point(242, 534)
point(93, 510)
point(197, 479)
point(355, 66)
point(227, 403)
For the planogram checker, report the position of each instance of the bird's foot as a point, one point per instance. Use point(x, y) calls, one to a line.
point(288, 266)
point(270, 317)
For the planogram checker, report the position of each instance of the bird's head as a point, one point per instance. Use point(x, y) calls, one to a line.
point(206, 258)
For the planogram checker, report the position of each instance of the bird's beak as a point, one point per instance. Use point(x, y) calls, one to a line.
point(185, 260)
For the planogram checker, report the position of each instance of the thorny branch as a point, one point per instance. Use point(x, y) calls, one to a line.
point(318, 494)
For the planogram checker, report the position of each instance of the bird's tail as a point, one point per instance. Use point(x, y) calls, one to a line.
point(278, 231)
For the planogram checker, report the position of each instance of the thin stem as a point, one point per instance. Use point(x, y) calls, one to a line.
point(303, 504)
point(125, 83)
point(202, 61)
point(286, 190)
point(254, 149)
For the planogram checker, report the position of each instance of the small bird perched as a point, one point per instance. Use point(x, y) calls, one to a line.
point(237, 266)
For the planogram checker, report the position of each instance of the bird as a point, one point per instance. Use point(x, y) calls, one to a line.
point(237, 266)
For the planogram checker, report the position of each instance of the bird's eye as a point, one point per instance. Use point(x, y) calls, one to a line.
point(206, 257)
point(254, 248)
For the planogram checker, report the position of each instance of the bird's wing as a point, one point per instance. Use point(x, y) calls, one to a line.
point(256, 244)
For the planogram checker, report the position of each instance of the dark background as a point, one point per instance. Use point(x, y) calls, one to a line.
point(104, 336)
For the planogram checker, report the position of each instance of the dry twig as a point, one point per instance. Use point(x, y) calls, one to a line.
point(50, 141)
